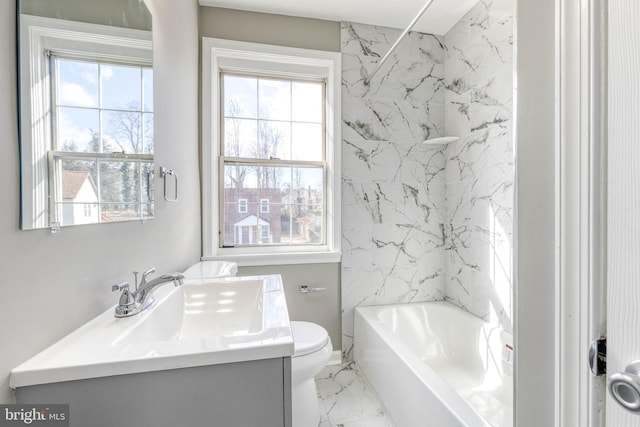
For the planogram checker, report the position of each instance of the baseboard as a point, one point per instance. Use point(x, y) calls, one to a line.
point(336, 358)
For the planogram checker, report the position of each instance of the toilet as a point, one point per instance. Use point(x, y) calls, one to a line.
point(312, 350)
point(211, 269)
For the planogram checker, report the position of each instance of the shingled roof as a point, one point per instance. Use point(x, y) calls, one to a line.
point(72, 181)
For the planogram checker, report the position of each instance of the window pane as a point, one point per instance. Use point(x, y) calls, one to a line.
point(307, 141)
point(275, 99)
point(77, 83)
point(274, 140)
point(78, 130)
point(148, 133)
point(147, 87)
point(119, 182)
point(121, 190)
point(121, 87)
point(307, 205)
point(307, 100)
point(240, 137)
point(77, 193)
point(273, 178)
point(122, 131)
point(253, 208)
point(286, 225)
point(239, 176)
point(287, 200)
point(240, 96)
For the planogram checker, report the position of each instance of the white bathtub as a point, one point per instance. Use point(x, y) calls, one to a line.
point(434, 365)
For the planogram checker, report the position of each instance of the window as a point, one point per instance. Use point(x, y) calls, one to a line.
point(242, 206)
point(270, 127)
point(264, 205)
point(272, 143)
point(264, 233)
point(102, 146)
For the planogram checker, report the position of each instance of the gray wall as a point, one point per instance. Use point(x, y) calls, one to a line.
point(322, 308)
point(53, 283)
point(269, 29)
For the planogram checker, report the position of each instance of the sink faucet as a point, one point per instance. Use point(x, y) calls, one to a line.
point(132, 303)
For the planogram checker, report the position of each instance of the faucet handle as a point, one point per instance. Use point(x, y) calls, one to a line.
point(124, 286)
point(126, 298)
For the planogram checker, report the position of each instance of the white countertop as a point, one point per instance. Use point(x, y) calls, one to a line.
point(203, 322)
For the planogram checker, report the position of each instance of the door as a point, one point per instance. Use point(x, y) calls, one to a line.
point(623, 223)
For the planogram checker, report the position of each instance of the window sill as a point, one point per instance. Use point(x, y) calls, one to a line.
point(251, 260)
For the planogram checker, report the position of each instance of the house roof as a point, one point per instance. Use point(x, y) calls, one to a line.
point(251, 221)
point(72, 181)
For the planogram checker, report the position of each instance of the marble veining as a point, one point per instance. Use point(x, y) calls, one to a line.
point(346, 400)
point(428, 222)
point(393, 204)
point(479, 167)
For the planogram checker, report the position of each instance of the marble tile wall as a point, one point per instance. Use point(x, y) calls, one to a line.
point(479, 168)
point(421, 222)
point(393, 186)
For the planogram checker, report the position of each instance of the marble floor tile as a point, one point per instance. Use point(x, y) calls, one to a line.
point(346, 399)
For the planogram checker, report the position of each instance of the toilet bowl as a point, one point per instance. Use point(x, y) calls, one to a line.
point(312, 352)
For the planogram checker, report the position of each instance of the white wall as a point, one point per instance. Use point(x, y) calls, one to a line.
point(535, 292)
point(479, 172)
point(53, 283)
point(392, 184)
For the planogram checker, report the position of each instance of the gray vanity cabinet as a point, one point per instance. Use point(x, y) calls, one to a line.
point(244, 394)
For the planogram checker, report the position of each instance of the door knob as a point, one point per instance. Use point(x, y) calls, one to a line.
point(625, 387)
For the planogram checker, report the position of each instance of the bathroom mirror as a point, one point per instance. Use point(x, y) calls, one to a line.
point(86, 112)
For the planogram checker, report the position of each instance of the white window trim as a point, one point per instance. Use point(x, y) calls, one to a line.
point(230, 55)
point(66, 37)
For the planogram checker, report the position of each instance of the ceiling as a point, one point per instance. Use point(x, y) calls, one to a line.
point(439, 18)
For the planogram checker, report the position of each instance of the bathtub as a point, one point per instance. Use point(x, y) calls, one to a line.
point(435, 365)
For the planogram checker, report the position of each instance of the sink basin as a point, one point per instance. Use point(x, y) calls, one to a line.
point(203, 322)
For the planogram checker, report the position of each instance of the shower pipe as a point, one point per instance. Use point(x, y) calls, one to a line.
point(404, 33)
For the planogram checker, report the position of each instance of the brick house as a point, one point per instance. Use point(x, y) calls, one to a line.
point(252, 216)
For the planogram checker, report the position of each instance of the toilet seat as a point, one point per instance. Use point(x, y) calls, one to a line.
point(308, 338)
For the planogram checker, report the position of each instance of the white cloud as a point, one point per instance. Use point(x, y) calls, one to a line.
point(74, 94)
point(69, 130)
point(106, 72)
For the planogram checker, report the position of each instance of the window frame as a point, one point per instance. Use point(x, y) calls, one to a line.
point(277, 61)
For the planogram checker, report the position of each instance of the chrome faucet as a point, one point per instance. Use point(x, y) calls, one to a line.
point(132, 303)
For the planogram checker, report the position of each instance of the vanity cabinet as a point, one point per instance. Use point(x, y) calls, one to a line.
point(242, 394)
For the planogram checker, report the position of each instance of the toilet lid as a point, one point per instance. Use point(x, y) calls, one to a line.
point(211, 269)
point(308, 337)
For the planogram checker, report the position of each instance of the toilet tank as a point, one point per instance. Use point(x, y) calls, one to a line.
point(209, 269)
